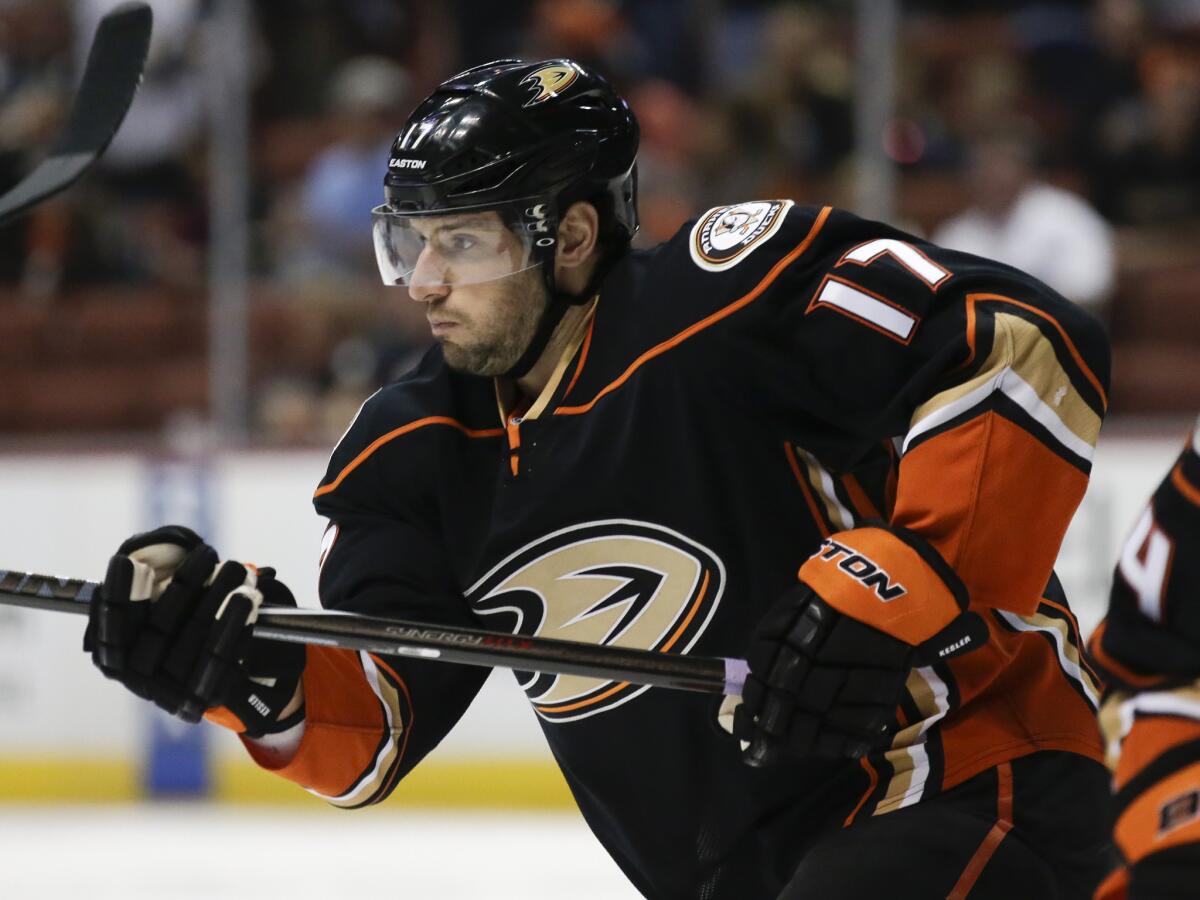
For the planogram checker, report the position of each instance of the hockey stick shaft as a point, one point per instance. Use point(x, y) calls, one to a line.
point(110, 79)
point(395, 637)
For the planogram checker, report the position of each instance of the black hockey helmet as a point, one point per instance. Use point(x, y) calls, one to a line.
point(524, 139)
point(512, 130)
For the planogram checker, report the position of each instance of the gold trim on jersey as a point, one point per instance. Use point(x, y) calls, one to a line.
point(909, 756)
point(507, 393)
point(1024, 366)
point(1119, 713)
point(1112, 727)
point(821, 481)
point(1069, 656)
point(1036, 361)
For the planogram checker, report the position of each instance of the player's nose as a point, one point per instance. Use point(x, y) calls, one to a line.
point(428, 281)
point(428, 293)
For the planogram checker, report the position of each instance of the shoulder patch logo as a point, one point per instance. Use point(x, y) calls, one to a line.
point(548, 82)
point(616, 582)
point(726, 235)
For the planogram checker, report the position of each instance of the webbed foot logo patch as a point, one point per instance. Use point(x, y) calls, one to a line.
point(617, 582)
point(726, 235)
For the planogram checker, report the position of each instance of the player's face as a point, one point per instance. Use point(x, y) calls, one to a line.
point(483, 325)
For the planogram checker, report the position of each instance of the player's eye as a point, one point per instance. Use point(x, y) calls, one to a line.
point(460, 242)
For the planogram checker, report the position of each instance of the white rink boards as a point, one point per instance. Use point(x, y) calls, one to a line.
point(74, 509)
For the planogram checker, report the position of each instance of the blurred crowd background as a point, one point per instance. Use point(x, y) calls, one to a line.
point(1063, 137)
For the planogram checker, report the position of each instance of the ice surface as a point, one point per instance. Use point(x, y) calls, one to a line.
point(205, 852)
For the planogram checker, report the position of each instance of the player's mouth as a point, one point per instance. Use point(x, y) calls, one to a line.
point(442, 326)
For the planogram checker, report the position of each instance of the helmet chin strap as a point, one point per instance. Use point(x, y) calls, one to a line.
point(555, 310)
point(560, 302)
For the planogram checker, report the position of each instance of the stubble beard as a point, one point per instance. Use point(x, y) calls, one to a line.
point(518, 308)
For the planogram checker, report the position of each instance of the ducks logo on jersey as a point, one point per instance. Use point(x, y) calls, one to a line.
point(617, 582)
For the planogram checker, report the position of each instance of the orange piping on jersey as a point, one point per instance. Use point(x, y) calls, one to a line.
point(691, 614)
point(869, 791)
point(1185, 487)
point(970, 336)
point(1115, 885)
point(804, 489)
point(712, 319)
point(1087, 372)
point(1102, 656)
point(1004, 824)
point(587, 343)
point(513, 428)
point(582, 703)
point(862, 503)
point(405, 726)
point(398, 432)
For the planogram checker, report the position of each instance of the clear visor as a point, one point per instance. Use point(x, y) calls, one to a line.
point(461, 246)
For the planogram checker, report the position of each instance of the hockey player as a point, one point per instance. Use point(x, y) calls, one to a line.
point(786, 433)
point(1149, 647)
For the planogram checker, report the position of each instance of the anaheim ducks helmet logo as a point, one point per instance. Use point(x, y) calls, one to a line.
point(616, 582)
point(548, 82)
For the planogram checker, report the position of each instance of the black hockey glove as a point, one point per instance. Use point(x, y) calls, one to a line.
point(173, 624)
point(829, 661)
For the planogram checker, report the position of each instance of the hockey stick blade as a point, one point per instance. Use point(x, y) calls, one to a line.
point(110, 79)
point(395, 637)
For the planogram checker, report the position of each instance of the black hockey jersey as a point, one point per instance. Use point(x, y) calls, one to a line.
point(771, 376)
point(1149, 647)
point(1152, 633)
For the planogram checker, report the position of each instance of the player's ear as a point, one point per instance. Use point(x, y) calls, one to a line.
point(578, 231)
